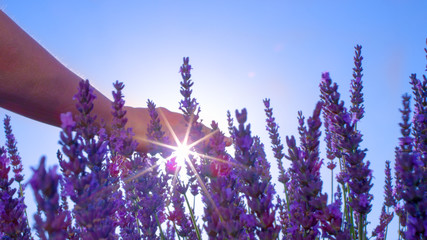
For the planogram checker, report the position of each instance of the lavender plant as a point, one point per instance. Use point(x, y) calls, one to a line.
point(87, 178)
point(355, 176)
point(255, 182)
point(13, 222)
point(109, 190)
point(223, 205)
point(45, 187)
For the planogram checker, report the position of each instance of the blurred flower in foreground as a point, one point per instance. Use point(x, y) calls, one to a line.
point(45, 187)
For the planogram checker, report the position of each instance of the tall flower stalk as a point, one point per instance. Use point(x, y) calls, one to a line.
point(305, 170)
point(357, 108)
point(13, 222)
point(405, 147)
point(255, 182)
point(411, 165)
point(87, 177)
point(191, 109)
point(276, 144)
point(386, 216)
point(223, 205)
point(355, 175)
point(12, 150)
point(45, 187)
point(122, 146)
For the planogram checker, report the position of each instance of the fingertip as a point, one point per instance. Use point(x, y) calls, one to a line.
point(228, 141)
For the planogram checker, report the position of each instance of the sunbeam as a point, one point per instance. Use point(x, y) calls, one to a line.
point(182, 151)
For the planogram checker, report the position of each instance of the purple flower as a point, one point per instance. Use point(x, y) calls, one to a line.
point(345, 142)
point(381, 230)
point(170, 231)
point(223, 205)
point(87, 180)
point(255, 180)
point(357, 107)
point(178, 215)
point(331, 165)
point(67, 120)
point(305, 172)
point(13, 222)
point(230, 123)
point(122, 146)
point(419, 89)
point(406, 143)
point(144, 185)
point(155, 132)
point(389, 200)
point(188, 105)
point(45, 187)
point(190, 108)
point(172, 166)
point(121, 141)
point(150, 187)
point(145, 198)
point(411, 163)
point(276, 143)
point(13, 154)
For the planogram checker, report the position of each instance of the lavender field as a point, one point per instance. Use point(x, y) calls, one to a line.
point(108, 190)
point(307, 160)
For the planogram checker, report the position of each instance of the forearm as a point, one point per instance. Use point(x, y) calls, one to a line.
point(33, 82)
point(36, 85)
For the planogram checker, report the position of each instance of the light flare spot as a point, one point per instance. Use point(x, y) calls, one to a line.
point(181, 153)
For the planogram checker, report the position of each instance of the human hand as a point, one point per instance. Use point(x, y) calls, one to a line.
point(173, 124)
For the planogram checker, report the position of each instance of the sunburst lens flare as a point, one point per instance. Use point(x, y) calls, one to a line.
point(181, 153)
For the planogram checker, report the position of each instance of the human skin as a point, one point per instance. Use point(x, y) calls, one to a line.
point(36, 85)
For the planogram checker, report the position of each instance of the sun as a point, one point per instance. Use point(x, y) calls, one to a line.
point(181, 153)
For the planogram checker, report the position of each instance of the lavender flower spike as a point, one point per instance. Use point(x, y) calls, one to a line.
point(121, 141)
point(411, 165)
point(188, 105)
point(155, 132)
point(190, 108)
point(13, 223)
point(305, 170)
point(255, 182)
point(88, 181)
point(347, 139)
point(276, 143)
point(381, 230)
point(13, 153)
point(223, 205)
point(357, 107)
point(389, 200)
point(45, 187)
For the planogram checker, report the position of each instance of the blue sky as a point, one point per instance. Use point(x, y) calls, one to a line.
point(241, 52)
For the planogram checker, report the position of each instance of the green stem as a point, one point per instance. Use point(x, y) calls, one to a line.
point(351, 217)
point(137, 223)
point(361, 227)
point(192, 218)
point(21, 194)
point(345, 202)
point(332, 186)
point(160, 228)
point(136, 214)
point(287, 201)
point(174, 226)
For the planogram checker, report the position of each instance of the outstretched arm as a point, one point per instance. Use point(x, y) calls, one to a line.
point(36, 85)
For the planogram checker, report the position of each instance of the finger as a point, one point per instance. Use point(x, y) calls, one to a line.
point(228, 141)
